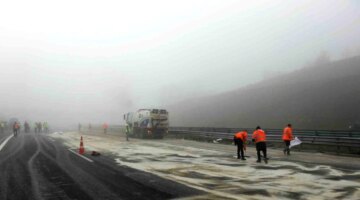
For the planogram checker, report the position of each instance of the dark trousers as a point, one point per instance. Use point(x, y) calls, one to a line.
point(287, 146)
point(240, 149)
point(261, 146)
point(15, 132)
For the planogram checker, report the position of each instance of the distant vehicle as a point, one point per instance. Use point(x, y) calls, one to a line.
point(147, 123)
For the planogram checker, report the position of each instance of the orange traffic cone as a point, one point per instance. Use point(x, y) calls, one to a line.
point(82, 149)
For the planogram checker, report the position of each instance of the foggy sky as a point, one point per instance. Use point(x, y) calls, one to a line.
point(92, 61)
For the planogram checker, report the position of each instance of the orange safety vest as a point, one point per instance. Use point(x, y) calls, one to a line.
point(259, 136)
point(16, 126)
point(287, 134)
point(242, 135)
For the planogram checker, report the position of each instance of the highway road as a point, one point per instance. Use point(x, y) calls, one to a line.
point(47, 166)
point(34, 166)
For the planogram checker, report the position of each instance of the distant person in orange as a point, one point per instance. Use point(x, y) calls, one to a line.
point(240, 140)
point(259, 137)
point(287, 137)
point(105, 127)
point(16, 128)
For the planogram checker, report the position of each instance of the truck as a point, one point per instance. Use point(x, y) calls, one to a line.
point(147, 123)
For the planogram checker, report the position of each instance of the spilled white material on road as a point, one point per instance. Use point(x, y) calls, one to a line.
point(222, 176)
point(5, 142)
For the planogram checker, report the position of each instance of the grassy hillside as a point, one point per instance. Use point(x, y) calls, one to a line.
point(322, 97)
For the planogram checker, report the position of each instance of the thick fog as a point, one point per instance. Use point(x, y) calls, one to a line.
point(91, 61)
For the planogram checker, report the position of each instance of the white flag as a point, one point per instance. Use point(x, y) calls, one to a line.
point(217, 140)
point(294, 142)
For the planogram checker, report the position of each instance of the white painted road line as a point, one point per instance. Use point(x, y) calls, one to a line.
point(81, 156)
point(6, 141)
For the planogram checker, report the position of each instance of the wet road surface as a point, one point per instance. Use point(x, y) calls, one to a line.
point(35, 166)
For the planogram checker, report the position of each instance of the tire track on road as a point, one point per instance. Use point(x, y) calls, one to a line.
point(58, 174)
point(33, 175)
point(15, 176)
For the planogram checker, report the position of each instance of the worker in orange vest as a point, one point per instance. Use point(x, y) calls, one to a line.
point(105, 127)
point(240, 140)
point(287, 137)
point(16, 128)
point(259, 137)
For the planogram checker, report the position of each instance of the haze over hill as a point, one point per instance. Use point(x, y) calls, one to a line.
point(325, 96)
point(103, 59)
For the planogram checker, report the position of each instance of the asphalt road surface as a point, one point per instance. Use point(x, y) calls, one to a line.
point(33, 166)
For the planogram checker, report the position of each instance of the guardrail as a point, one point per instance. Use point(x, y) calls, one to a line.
point(338, 141)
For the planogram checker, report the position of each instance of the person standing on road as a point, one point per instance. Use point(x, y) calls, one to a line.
point(105, 127)
point(259, 137)
point(35, 127)
point(2, 126)
point(287, 137)
point(127, 131)
point(39, 127)
point(79, 127)
point(240, 140)
point(46, 127)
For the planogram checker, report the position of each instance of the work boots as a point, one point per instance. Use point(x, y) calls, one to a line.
point(286, 151)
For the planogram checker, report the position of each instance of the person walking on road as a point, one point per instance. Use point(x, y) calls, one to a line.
point(27, 127)
point(240, 140)
point(287, 137)
point(259, 137)
point(16, 128)
point(105, 127)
